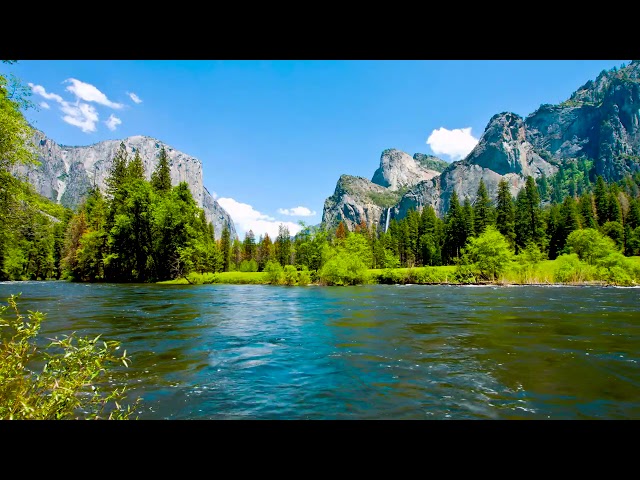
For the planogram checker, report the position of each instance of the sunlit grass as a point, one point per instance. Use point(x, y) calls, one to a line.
point(255, 278)
point(516, 273)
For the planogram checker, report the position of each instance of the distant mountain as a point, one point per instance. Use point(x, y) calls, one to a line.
point(66, 174)
point(357, 199)
point(600, 122)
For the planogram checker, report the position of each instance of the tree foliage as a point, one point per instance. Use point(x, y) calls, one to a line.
point(67, 379)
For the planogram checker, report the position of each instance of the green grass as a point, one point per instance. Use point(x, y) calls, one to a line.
point(252, 278)
point(540, 273)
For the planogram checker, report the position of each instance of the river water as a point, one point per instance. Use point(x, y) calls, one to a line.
point(364, 352)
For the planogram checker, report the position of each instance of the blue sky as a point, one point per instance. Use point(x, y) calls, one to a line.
point(274, 136)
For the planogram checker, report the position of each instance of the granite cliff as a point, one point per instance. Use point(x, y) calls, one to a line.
point(65, 174)
point(357, 199)
point(600, 121)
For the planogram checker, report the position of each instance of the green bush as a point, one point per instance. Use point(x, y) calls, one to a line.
point(290, 275)
point(570, 269)
point(343, 269)
point(590, 245)
point(69, 384)
point(464, 273)
point(489, 253)
point(248, 266)
point(428, 275)
point(616, 269)
point(304, 277)
point(390, 276)
point(274, 272)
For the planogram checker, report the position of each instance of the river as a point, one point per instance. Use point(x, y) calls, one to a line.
point(364, 352)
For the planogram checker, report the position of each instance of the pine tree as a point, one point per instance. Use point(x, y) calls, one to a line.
point(265, 251)
point(529, 224)
point(544, 187)
point(554, 231)
point(615, 211)
point(601, 201)
point(569, 219)
point(428, 220)
point(249, 246)
point(412, 239)
point(505, 212)
point(468, 218)
point(118, 170)
point(161, 176)
point(282, 245)
point(236, 253)
point(225, 248)
point(585, 209)
point(483, 214)
point(135, 168)
point(456, 228)
point(341, 231)
point(633, 216)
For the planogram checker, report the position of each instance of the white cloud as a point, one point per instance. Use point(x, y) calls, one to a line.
point(134, 97)
point(112, 122)
point(78, 113)
point(246, 218)
point(89, 93)
point(39, 90)
point(296, 212)
point(81, 115)
point(456, 143)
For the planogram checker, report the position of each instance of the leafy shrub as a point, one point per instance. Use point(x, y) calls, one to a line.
point(590, 245)
point(68, 387)
point(290, 275)
point(464, 273)
point(489, 252)
point(616, 269)
point(274, 272)
point(390, 276)
point(343, 269)
point(571, 269)
point(304, 277)
point(431, 275)
point(248, 266)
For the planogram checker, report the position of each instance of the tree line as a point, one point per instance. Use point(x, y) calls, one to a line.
point(143, 231)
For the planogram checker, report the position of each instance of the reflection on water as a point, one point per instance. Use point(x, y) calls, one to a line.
point(368, 352)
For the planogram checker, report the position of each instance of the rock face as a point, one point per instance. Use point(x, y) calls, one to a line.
point(65, 174)
point(356, 199)
point(397, 170)
point(600, 121)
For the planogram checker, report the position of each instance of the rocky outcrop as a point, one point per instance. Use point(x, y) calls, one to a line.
point(399, 170)
point(430, 162)
point(356, 199)
point(65, 174)
point(504, 148)
point(600, 121)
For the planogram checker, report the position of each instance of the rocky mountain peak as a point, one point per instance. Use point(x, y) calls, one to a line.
point(430, 162)
point(398, 169)
point(66, 173)
point(504, 148)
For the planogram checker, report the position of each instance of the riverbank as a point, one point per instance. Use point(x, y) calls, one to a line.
point(546, 272)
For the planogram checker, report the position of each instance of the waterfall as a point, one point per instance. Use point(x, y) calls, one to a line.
point(386, 226)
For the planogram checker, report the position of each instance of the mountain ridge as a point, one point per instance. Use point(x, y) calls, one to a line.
point(600, 121)
point(66, 173)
